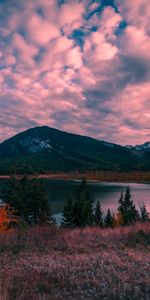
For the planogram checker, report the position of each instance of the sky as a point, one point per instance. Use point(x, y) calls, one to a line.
point(79, 66)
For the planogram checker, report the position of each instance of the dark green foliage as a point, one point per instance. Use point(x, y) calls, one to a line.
point(144, 214)
point(68, 214)
point(39, 207)
point(127, 208)
point(98, 215)
point(83, 206)
point(28, 198)
point(80, 213)
point(108, 221)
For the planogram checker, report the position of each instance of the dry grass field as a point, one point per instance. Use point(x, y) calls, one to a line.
point(45, 263)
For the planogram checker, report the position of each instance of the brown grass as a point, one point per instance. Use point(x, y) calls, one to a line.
point(45, 263)
point(109, 176)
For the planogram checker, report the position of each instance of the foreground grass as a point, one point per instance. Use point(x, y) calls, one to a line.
point(45, 263)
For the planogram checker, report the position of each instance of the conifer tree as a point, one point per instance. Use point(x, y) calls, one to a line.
point(79, 211)
point(68, 214)
point(144, 214)
point(98, 215)
point(39, 206)
point(28, 198)
point(127, 208)
point(108, 219)
point(121, 198)
point(83, 206)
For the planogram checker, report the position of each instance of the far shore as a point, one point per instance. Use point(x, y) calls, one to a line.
point(107, 176)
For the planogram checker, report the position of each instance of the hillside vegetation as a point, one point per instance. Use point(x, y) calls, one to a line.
point(43, 149)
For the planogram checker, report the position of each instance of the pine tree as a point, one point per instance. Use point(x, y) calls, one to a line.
point(144, 214)
point(83, 206)
point(98, 215)
point(28, 198)
point(127, 208)
point(79, 211)
point(108, 219)
point(39, 206)
point(15, 193)
point(121, 198)
point(68, 214)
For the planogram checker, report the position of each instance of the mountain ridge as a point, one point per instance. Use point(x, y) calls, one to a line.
point(43, 149)
point(140, 147)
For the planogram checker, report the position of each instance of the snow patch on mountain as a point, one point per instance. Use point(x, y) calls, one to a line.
point(129, 146)
point(35, 145)
point(109, 144)
point(144, 146)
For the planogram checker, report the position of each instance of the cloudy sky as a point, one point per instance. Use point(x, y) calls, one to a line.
point(79, 66)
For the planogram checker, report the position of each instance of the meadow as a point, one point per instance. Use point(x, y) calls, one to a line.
point(47, 263)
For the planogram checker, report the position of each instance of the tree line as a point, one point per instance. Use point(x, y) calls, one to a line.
point(79, 211)
point(29, 199)
point(26, 200)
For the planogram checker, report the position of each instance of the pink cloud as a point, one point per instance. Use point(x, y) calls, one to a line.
point(70, 16)
point(132, 105)
point(109, 21)
point(24, 50)
point(9, 60)
point(135, 42)
point(136, 13)
point(102, 51)
point(71, 12)
point(74, 58)
point(61, 52)
point(47, 79)
point(40, 31)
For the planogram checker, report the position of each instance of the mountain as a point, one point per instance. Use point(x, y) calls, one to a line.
point(44, 149)
point(143, 147)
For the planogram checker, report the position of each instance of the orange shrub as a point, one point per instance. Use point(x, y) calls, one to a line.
point(7, 217)
point(117, 220)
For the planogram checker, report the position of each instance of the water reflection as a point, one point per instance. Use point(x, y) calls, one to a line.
point(107, 193)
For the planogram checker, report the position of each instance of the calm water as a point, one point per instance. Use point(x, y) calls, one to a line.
point(107, 193)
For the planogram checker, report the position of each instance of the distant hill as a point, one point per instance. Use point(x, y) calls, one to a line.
point(42, 149)
point(143, 147)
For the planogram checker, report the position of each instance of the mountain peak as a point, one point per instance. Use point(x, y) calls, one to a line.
point(44, 149)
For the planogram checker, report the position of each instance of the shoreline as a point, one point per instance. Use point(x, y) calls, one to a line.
point(141, 177)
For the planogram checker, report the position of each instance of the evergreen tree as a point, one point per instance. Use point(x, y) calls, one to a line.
point(39, 206)
point(98, 215)
point(15, 194)
point(79, 211)
point(121, 198)
point(144, 214)
point(68, 214)
point(108, 219)
point(28, 198)
point(83, 206)
point(127, 208)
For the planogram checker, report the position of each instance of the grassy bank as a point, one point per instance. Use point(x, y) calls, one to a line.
point(45, 263)
point(92, 175)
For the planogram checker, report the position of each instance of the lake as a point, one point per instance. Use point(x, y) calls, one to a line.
point(107, 192)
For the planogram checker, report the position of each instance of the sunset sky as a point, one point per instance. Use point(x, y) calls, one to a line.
point(79, 66)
